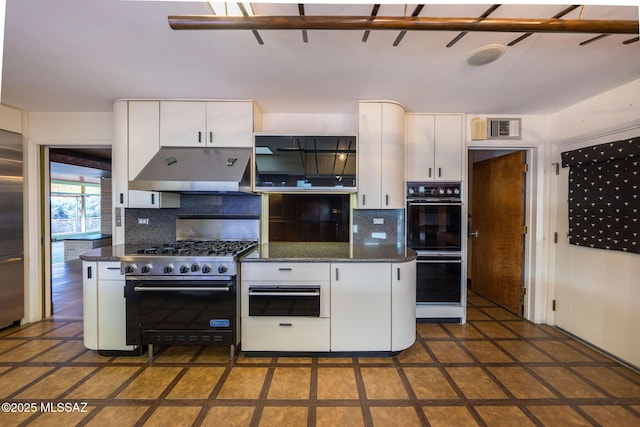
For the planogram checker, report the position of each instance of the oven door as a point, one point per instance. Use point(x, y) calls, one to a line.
point(434, 226)
point(439, 279)
point(173, 311)
point(296, 301)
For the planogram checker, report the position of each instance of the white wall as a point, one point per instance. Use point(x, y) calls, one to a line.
point(309, 123)
point(597, 291)
point(60, 130)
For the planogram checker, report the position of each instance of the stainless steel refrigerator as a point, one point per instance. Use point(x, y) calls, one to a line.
point(11, 229)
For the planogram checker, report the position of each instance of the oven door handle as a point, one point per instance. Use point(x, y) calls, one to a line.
point(285, 294)
point(179, 288)
point(436, 202)
point(439, 261)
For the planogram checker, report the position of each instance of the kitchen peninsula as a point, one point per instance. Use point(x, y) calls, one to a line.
point(338, 297)
point(328, 297)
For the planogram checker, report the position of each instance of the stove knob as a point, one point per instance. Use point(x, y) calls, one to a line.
point(456, 191)
point(195, 268)
point(168, 269)
point(206, 268)
point(449, 191)
point(222, 268)
point(184, 269)
point(441, 191)
point(146, 268)
point(131, 268)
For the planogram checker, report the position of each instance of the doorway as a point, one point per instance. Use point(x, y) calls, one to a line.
point(497, 226)
point(78, 200)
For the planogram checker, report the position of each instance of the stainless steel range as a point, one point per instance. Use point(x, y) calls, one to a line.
point(185, 292)
point(187, 258)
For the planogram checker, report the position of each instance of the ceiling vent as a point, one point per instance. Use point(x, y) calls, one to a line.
point(504, 129)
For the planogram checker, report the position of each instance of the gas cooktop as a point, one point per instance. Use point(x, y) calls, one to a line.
point(222, 248)
point(187, 258)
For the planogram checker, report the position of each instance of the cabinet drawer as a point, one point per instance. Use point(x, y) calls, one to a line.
point(109, 271)
point(285, 334)
point(291, 271)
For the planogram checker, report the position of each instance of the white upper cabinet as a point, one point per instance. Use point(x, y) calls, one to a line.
point(434, 147)
point(206, 124)
point(144, 134)
point(381, 155)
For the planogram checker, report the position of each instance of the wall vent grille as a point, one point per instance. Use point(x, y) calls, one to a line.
point(504, 129)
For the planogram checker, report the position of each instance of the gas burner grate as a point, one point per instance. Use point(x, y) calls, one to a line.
point(201, 248)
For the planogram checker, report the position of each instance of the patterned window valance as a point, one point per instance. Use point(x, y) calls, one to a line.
point(603, 195)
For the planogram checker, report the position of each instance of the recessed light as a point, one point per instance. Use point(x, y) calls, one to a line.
point(486, 54)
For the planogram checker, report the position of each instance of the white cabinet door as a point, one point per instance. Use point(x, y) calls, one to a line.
point(111, 308)
point(448, 148)
point(434, 147)
point(420, 147)
point(230, 124)
point(200, 124)
point(90, 304)
point(381, 154)
point(403, 305)
point(183, 123)
point(360, 307)
point(153, 199)
point(369, 154)
point(144, 134)
point(393, 155)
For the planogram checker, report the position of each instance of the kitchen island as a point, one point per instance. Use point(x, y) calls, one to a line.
point(335, 298)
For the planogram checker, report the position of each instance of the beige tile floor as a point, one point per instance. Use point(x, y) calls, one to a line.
point(496, 370)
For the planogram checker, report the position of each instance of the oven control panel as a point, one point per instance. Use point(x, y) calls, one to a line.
point(451, 191)
point(176, 267)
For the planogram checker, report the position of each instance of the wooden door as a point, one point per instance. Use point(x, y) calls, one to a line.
point(498, 217)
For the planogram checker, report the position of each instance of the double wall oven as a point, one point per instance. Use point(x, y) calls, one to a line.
point(435, 230)
point(185, 292)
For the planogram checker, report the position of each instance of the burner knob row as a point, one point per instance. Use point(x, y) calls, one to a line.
point(131, 268)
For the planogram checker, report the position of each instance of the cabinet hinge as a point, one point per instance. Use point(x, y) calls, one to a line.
point(526, 167)
point(557, 165)
point(525, 230)
point(555, 237)
point(553, 305)
point(524, 291)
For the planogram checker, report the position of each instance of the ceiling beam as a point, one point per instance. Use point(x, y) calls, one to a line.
point(212, 22)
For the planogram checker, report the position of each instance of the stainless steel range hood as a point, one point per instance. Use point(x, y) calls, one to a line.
point(193, 169)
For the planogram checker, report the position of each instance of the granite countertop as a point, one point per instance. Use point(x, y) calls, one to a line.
point(285, 251)
point(328, 252)
point(111, 253)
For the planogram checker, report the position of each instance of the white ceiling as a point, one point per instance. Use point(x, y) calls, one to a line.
point(70, 55)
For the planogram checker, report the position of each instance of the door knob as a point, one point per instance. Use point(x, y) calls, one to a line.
point(473, 233)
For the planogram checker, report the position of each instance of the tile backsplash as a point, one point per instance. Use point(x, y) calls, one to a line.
point(378, 226)
point(159, 225)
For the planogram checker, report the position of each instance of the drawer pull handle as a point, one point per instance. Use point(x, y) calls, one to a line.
point(285, 269)
point(285, 324)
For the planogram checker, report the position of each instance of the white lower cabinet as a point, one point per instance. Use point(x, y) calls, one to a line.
point(361, 307)
point(365, 306)
point(104, 306)
point(403, 305)
point(285, 334)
